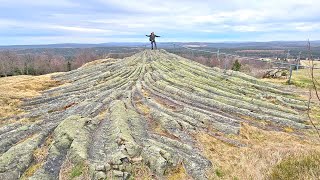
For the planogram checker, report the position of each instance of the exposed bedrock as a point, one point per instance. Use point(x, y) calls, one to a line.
point(142, 109)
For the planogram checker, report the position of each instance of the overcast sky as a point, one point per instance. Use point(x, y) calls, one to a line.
point(99, 21)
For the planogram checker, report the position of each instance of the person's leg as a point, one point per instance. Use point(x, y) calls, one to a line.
point(151, 45)
point(155, 45)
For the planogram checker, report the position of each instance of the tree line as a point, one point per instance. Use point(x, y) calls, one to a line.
point(15, 63)
point(254, 68)
point(12, 64)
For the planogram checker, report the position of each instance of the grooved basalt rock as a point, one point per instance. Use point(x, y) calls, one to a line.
point(145, 108)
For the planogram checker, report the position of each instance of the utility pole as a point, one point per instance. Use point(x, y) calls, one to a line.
point(192, 54)
point(289, 81)
point(298, 61)
point(225, 63)
point(288, 54)
point(218, 54)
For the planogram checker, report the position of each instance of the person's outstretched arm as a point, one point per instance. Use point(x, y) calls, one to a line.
point(148, 35)
point(157, 36)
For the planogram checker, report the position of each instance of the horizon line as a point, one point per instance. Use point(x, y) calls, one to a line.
point(159, 42)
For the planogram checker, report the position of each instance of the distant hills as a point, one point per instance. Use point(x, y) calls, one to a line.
point(73, 45)
point(271, 44)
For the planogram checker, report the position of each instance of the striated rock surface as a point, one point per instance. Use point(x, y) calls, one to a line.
point(145, 108)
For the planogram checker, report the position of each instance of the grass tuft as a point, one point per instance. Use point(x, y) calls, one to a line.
point(264, 151)
point(77, 170)
point(298, 167)
point(30, 171)
point(219, 173)
point(178, 173)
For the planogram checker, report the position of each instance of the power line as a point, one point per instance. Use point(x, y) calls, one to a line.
point(218, 53)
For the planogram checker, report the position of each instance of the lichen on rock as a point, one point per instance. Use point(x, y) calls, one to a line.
point(146, 108)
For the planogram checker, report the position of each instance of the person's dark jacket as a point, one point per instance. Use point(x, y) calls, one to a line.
point(152, 37)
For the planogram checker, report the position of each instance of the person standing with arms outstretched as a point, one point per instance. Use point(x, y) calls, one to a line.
point(152, 39)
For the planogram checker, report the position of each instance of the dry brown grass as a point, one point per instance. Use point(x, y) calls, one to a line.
point(142, 172)
point(95, 62)
point(308, 63)
point(300, 78)
point(275, 80)
point(264, 150)
point(261, 51)
point(13, 89)
point(178, 173)
point(298, 167)
point(39, 156)
point(72, 171)
point(41, 153)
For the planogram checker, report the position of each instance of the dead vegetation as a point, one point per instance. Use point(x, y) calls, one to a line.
point(178, 173)
point(70, 171)
point(260, 159)
point(301, 166)
point(141, 171)
point(14, 89)
point(39, 155)
point(261, 51)
point(160, 122)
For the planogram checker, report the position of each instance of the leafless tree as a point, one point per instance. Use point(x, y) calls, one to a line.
point(9, 63)
point(313, 88)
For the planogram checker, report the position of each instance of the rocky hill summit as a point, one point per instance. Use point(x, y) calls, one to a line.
point(113, 114)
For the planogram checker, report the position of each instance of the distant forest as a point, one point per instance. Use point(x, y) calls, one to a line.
point(39, 60)
point(43, 61)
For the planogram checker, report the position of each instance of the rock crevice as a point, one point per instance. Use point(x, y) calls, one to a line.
point(145, 108)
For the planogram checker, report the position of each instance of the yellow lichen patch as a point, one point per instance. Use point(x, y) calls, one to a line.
point(13, 89)
point(28, 137)
point(178, 173)
point(264, 150)
point(102, 115)
point(143, 108)
point(288, 130)
point(145, 93)
point(30, 171)
point(247, 117)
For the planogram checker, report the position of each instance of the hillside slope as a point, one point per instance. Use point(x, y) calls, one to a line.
point(111, 116)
